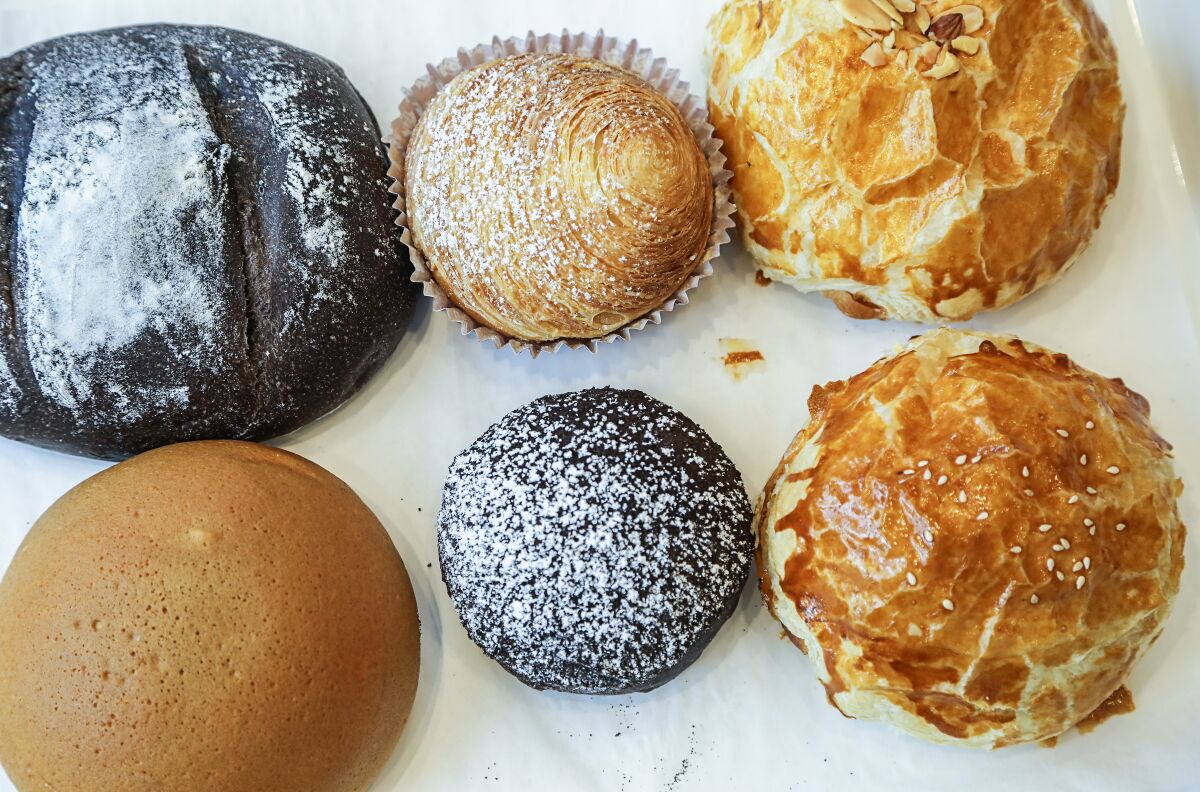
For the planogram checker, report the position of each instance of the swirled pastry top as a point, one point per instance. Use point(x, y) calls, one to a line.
point(973, 540)
point(556, 196)
point(906, 196)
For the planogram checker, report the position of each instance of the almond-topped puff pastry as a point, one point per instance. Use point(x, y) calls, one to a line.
point(913, 159)
point(556, 197)
point(973, 540)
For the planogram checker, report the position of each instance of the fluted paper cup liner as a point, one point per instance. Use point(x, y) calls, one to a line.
point(608, 49)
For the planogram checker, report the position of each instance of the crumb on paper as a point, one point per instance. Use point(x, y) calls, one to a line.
point(740, 357)
point(761, 279)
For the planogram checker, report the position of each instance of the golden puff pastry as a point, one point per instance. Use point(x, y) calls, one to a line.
point(924, 164)
point(974, 540)
point(556, 197)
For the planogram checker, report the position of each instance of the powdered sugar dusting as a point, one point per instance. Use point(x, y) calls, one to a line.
point(114, 231)
point(593, 541)
point(557, 196)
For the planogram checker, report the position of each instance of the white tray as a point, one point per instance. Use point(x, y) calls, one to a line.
point(749, 714)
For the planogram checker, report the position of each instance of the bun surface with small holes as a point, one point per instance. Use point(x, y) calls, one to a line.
point(973, 540)
point(207, 617)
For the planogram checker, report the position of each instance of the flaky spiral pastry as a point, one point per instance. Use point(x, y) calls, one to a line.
point(556, 197)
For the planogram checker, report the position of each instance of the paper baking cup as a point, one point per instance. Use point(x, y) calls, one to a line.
point(613, 51)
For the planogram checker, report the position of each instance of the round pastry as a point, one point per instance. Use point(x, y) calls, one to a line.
point(973, 541)
point(556, 197)
point(207, 617)
point(913, 159)
point(194, 240)
point(594, 542)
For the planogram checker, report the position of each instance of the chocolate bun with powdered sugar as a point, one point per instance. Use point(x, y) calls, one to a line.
point(195, 240)
point(595, 541)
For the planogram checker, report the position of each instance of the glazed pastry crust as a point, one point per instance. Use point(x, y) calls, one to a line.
point(901, 539)
point(556, 197)
point(907, 197)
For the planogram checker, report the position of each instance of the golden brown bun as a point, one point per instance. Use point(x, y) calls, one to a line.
point(556, 197)
point(902, 546)
point(916, 198)
point(212, 616)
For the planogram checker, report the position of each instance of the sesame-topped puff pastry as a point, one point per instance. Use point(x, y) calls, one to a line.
point(973, 540)
point(556, 197)
point(915, 159)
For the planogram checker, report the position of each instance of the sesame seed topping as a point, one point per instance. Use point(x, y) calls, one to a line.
point(1073, 499)
point(1015, 549)
point(1029, 493)
point(1066, 545)
point(961, 459)
point(911, 578)
point(1090, 425)
point(1078, 565)
point(907, 472)
point(1061, 577)
point(1056, 547)
point(1087, 562)
point(942, 479)
point(923, 463)
point(975, 459)
point(1044, 527)
point(1087, 521)
point(1120, 526)
point(1079, 581)
point(1063, 433)
point(962, 496)
point(927, 475)
point(1033, 599)
point(1083, 459)
point(928, 536)
point(1092, 531)
point(947, 604)
point(1091, 490)
point(983, 515)
point(1049, 564)
point(1112, 470)
point(1025, 471)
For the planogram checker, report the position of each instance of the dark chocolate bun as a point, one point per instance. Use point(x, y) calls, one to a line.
point(195, 240)
point(594, 542)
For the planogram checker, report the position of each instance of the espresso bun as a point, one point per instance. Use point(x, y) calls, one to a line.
point(938, 180)
point(208, 617)
point(974, 540)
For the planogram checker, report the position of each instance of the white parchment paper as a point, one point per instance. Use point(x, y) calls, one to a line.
point(749, 714)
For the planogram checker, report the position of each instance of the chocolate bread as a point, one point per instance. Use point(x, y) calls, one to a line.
point(594, 542)
point(195, 240)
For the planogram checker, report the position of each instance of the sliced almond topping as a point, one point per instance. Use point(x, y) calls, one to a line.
point(966, 45)
point(886, 7)
point(947, 27)
point(972, 17)
point(947, 64)
point(926, 56)
point(905, 6)
point(907, 40)
point(889, 42)
point(864, 13)
point(874, 56)
point(902, 62)
point(923, 19)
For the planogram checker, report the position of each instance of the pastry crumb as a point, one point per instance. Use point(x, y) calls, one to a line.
point(740, 357)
